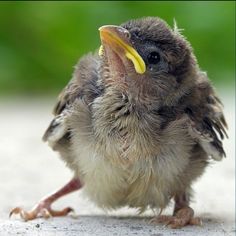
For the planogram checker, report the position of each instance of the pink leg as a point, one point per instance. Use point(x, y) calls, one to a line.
point(43, 208)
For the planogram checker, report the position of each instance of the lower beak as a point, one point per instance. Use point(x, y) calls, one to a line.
point(117, 38)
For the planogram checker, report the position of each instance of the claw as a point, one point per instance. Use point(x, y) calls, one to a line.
point(15, 210)
point(182, 218)
point(23, 214)
point(41, 210)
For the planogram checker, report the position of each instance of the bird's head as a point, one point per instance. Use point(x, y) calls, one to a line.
point(147, 59)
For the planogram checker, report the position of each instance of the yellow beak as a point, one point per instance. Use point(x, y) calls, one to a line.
point(117, 38)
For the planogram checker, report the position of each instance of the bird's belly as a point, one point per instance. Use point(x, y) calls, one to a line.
point(140, 185)
point(127, 170)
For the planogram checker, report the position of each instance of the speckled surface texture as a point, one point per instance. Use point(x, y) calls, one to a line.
point(29, 170)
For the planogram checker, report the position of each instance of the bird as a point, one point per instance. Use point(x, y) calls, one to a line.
point(137, 124)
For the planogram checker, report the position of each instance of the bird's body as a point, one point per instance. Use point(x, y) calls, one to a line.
point(126, 155)
point(138, 134)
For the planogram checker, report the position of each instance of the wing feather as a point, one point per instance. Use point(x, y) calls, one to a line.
point(84, 86)
point(207, 121)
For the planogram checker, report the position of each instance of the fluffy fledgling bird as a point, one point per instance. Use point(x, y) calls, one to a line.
point(138, 123)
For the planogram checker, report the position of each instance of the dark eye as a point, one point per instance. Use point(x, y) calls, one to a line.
point(153, 58)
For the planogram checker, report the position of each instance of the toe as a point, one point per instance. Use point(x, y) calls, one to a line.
point(15, 210)
point(40, 210)
point(28, 215)
point(195, 221)
point(23, 214)
point(63, 212)
point(45, 213)
point(177, 223)
point(162, 219)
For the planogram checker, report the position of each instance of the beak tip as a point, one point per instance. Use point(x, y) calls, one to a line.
point(101, 28)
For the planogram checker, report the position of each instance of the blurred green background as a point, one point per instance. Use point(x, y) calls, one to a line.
point(41, 41)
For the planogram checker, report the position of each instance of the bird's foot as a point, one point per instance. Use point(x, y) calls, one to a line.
point(42, 209)
point(181, 218)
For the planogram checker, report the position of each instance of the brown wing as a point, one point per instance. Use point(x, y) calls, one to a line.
point(67, 96)
point(84, 86)
point(83, 83)
point(208, 125)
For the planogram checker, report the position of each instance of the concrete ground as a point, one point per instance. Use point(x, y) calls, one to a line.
point(29, 170)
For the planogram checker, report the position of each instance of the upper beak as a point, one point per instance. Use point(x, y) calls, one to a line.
point(117, 38)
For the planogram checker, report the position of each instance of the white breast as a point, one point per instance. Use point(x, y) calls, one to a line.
point(145, 182)
point(146, 175)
